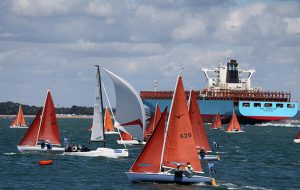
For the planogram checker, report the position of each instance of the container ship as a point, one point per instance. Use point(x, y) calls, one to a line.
point(227, 91)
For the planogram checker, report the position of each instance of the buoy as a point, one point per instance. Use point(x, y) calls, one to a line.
point(45, 162)
point(213, 182)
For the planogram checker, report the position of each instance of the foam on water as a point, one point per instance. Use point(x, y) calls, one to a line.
point(9, 153)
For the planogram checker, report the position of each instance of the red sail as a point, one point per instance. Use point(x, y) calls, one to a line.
point(179, 143)
point(20, 119)
point(200, 136)
point(153, 121)
point(49, 128)
point(108, 125)
point(29, 138)
point(217, 124)
point(233, 124)
point(125, 136)
point(150, 157)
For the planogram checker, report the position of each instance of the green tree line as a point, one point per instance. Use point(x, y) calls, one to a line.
point(11, 108)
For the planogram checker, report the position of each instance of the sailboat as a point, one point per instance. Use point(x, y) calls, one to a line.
point(97, 130)
point(200, 136)
point(216, 124)
point(130, 111)
point(169, 146)
point(19, 121)
point(153, 122)
point(234, 126)
point(297, 138)
point(43, 128)
point(108, 125)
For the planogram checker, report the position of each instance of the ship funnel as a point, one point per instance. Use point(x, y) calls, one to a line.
point(232, 75)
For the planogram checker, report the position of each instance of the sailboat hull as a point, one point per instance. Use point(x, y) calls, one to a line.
point(30, 149)
point(297, 140)
point(131, 142)
point(101, 152)
point(234, 131)
point(111, 132)
point(18, 127)
point(210, 158)
point(166, 178)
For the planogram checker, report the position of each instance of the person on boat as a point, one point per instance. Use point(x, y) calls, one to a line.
point(202, 153)
point(48, 145)
point(189, 170)
point(178, 171)
point(42, 143)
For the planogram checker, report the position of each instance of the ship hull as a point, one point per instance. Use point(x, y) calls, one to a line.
point(248, 112)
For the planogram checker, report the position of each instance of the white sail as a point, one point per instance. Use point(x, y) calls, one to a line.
point(97, 127)
point(130, 111)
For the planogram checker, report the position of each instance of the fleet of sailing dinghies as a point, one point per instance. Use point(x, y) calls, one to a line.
point(170, 146)
point(43, 134)
point(216, 124)
point(19, 121)
point(130, 111)
point(97, 131)
point(297, 138)
point(234, 126)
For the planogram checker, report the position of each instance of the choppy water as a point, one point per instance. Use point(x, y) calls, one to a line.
point(264, 157)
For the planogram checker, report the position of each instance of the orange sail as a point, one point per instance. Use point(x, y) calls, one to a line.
point(179, 144)
point(125, 136)
point(233, 124)
point(298, 136)
point(108, 125)
point(48, 126)
point(29, 138)
point(216, 124)
point(19, 120)
point(150, 157)
point(199, 132)
point(153, 122)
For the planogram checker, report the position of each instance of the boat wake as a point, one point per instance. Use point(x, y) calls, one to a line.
point(9, 153)
point(283, 124)
point(234, 186)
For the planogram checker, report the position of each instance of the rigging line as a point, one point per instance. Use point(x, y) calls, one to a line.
point(112, 113)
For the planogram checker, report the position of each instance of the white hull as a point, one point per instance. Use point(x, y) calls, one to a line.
point(167, 178)
point(18, 127)
point(297, 140)
point(234, 131)
point(111, 132)
point(211, 158)
point(101, 152)
point(32, 149)
point(131, 142)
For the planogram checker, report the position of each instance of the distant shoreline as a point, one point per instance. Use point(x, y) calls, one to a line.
point(57, 116)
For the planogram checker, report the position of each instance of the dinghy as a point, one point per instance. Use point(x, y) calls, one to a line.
point(97, 131)
point(108, 125)
point(43, 134)
point(130, 111)
point(216, 124)
point(234, 126)
point(19, 121)
point(199, 132)
point(297, 138)
point(170, 146)
point(127, 139)
point(153, 122)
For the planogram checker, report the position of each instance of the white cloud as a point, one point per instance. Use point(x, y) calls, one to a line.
point(293, 25)
point(99, 8)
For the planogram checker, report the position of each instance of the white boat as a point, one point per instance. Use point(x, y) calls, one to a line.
point(97, 131)
point(130, 112)
point(170, 147)
point(131, 142)
point(19, 121)
point(43, 129)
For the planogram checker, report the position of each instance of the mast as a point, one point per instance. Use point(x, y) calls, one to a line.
point(101, 103)
point(38, 134)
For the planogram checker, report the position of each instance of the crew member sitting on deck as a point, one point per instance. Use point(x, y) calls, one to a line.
point(178, 171)
point(48, 145)
point(42, 144)
point(189, 170)
point(202, 153)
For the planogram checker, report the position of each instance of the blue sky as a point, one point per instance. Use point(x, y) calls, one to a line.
point(54, 45)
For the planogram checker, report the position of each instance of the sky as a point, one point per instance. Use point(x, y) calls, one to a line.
point(55, 45)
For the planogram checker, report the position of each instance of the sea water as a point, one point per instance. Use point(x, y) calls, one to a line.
point(263, 157)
